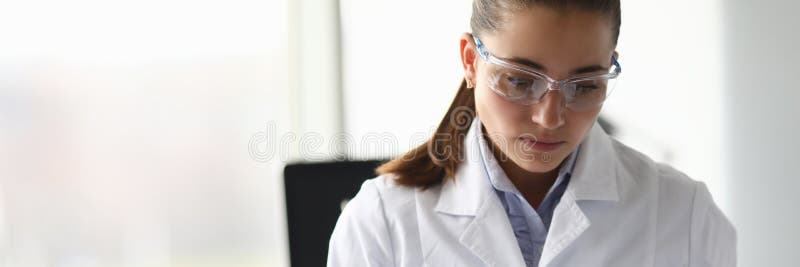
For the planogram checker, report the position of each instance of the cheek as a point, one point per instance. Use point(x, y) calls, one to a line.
point(579, 123)
point(497, 114)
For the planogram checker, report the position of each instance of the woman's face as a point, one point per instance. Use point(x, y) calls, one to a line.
point(559, 42)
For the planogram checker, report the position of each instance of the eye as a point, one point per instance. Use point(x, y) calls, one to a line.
point(516, 84)
point(587, 87)
point(519, 81)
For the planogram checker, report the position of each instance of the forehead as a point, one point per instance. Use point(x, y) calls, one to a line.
point(558, 39)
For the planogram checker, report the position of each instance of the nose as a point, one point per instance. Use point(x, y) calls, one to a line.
point(549, 112)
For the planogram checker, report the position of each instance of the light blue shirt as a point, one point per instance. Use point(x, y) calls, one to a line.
point(530, 225)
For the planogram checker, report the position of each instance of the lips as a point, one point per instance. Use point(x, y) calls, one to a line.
point(542, 145)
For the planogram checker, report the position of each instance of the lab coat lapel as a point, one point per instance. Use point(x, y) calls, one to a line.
point(593, 178)
point(491, 238)
point(489, 234)
point(567, 224)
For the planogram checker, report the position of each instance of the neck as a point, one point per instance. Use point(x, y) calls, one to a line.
point(529, 183)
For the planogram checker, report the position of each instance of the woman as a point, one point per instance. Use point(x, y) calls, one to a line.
point(520, 174)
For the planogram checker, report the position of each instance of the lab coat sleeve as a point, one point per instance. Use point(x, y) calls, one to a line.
point(712, 237)
point(361, 236)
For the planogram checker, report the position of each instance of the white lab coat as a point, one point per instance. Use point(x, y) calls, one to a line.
point(619, 209)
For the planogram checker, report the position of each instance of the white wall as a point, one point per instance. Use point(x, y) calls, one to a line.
point(401, 70)
point(315, 77)
point(762, 128)
point(124, 129)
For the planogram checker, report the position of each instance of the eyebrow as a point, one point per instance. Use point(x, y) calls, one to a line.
point(540, 67)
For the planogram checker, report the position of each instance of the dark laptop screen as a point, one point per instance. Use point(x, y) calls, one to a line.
point(315, 195)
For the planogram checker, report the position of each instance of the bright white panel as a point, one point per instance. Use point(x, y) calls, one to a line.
point(125, 129)
point(401, 70)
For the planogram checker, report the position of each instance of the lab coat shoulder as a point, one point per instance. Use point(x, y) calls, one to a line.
point(684, 205)
point(712, 236)
point(363, 233)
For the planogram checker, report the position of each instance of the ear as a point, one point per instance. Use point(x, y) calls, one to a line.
point(616, 55)
point(468, 56)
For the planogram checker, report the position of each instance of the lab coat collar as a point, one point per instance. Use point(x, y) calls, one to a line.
point(595, 173)
point(471, 187)
point(489, 234)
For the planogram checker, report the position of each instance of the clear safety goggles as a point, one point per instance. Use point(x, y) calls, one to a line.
point(522, 85)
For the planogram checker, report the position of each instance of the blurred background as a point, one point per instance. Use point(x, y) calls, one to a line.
point(155, 133)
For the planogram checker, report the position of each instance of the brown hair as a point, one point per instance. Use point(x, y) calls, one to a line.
point(440, 156)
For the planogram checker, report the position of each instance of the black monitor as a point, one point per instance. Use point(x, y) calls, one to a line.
point(315, 196)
